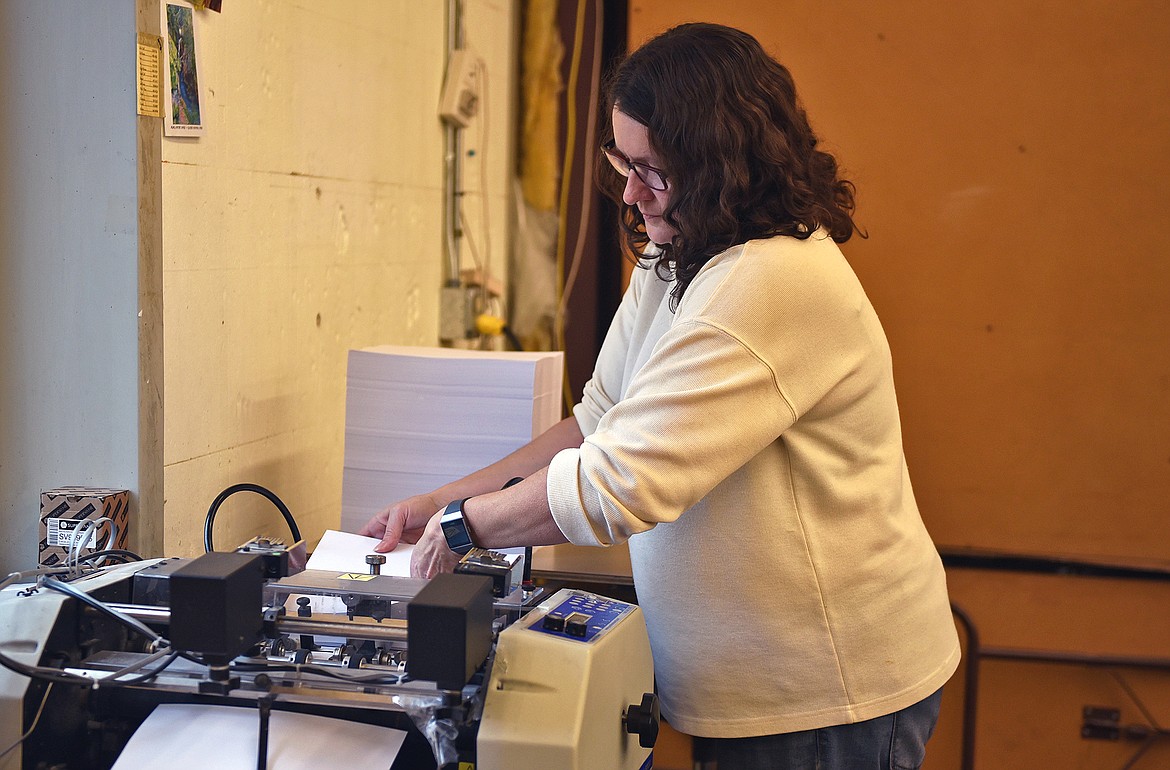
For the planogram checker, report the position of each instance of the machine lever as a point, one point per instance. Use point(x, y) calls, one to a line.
point(265, 705)
point(643, 720)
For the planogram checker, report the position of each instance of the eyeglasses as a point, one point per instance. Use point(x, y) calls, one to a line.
point(654, 178)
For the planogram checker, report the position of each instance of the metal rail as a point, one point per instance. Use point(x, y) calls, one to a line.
point(976, 652)
point(385, 631)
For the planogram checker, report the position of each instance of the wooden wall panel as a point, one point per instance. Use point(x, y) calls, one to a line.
point(1011, 160)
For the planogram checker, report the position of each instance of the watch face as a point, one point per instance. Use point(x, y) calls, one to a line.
point(454, 528)
point(456, 534)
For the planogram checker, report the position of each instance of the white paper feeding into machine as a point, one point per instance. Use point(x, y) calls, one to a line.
point(418, 417)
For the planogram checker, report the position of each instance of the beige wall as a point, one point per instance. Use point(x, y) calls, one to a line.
point(1011, 161)
point(306, 221)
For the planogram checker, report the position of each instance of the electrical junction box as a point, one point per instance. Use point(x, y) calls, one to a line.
point(563, 681)
point(461, 89)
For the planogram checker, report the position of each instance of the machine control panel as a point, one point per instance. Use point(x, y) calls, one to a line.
point(582, 617)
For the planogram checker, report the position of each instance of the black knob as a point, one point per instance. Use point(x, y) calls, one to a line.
point(375, 560)
point(643, 720)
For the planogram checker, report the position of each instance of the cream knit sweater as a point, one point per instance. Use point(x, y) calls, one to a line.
point(748, 446)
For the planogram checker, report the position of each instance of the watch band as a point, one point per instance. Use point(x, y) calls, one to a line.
point(455, 527)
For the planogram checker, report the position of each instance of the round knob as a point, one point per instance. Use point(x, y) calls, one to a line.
point(375, 560)
point(642, 720)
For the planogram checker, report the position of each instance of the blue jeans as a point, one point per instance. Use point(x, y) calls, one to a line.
point(894, 742)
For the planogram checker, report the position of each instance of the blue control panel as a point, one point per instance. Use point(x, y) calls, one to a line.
point(582, 617)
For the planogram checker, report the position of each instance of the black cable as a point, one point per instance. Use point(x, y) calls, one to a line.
point(190, 656)
point(58, 676)
point(54, 675)
point(1141, 750)
point(224, 495)
point(121, 553)
point(125, 620)
point(526, 576)
point(1156, 730)
point(512, 338)
point(1133, 696)
point(144, 677)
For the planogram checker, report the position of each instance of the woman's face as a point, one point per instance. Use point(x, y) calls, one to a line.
point(632, 141)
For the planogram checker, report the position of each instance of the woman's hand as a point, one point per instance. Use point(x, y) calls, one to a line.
point(403, 521)
point(431, 554)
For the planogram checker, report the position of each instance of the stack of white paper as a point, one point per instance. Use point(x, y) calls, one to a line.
point(417, 418)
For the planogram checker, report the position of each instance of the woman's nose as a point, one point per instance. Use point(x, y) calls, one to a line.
point(635, 190)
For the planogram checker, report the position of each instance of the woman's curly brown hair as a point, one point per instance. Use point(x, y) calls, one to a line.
point(741, 158)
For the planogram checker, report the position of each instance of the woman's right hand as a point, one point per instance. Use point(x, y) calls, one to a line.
point(403, 521)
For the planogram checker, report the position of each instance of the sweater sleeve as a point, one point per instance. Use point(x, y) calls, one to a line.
point(702, 406)
point(758, 342)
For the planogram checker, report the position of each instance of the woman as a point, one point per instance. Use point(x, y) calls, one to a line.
point(741, 432)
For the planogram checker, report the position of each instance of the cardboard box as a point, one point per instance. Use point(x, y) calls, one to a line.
point(65, 509)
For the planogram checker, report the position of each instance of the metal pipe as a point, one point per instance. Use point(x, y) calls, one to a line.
point(1077, 658)
point(386, 631)
point(451, 150)
point(971, 687)
point(158, 616)
point(977, 652)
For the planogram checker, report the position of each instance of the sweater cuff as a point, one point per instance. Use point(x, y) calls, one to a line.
point(564, 498)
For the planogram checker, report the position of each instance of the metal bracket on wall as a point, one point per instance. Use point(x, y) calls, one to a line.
point(1101, 723)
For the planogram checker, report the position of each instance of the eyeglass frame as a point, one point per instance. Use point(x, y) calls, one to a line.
point(623, 165)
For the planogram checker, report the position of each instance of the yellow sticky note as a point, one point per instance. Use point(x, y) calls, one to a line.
point(355, 576)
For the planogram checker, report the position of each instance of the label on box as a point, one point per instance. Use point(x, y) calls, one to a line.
point(61, 532)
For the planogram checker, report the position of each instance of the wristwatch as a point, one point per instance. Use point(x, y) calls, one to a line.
point(455, 527)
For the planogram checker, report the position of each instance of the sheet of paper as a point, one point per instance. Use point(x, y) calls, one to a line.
point(187, 736)
point(346, 552)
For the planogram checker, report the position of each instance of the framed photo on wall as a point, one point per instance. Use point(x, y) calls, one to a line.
point(182, 102)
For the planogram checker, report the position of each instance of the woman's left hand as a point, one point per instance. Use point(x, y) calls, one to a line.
point(431, 554)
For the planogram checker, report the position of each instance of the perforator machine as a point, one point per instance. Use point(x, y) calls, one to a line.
point(482, 672)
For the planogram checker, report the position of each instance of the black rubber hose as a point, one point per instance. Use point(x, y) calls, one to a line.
point(224, 495)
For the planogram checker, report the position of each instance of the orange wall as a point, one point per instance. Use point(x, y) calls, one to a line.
point(1012, 159)
point(1012, 163)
